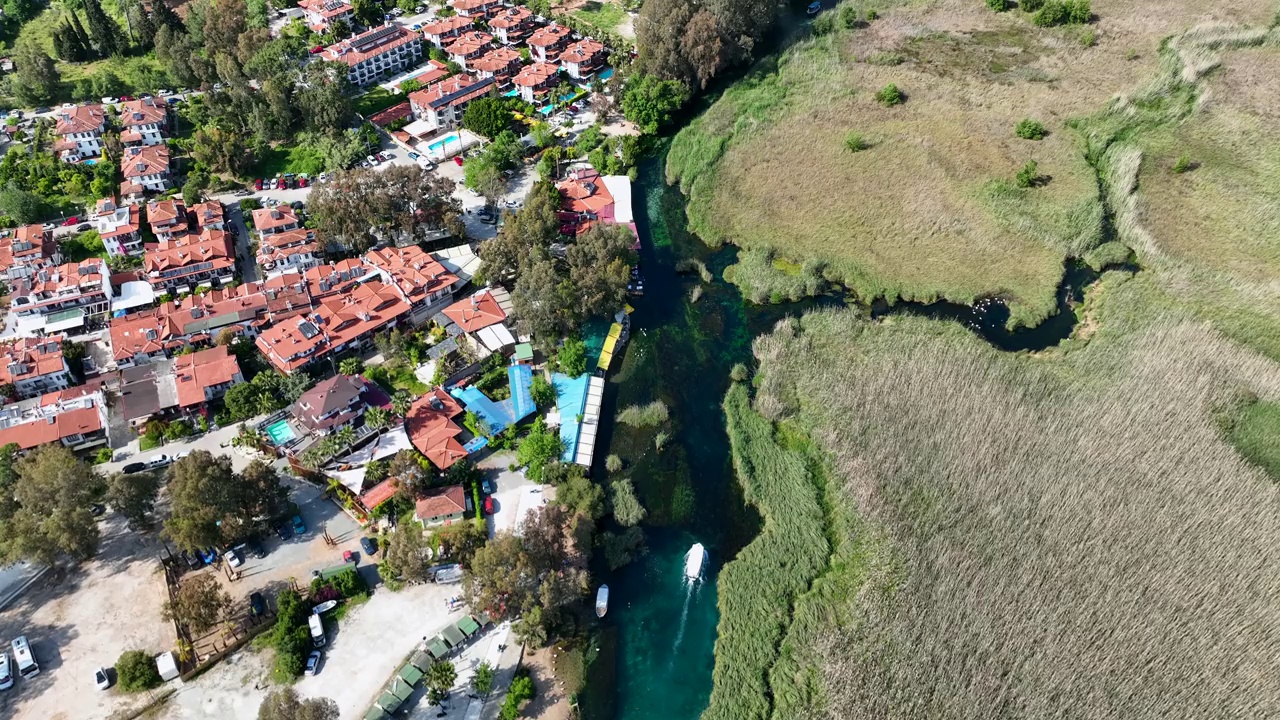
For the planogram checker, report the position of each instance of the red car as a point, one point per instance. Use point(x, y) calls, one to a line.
point(280, 183)
point(257, 184)
point(70, 221)
point(488, 505)
point(317, 50)
point(458, 159)
point(302, 181)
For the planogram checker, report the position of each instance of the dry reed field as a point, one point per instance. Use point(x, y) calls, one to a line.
point(1068, 536)
point(928, 209)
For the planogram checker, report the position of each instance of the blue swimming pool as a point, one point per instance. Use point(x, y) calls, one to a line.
point(511, 93)
point(440, 147)
point(608, 73)
point(280, 432)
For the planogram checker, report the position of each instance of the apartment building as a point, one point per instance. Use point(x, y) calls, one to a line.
point(186, 262)
point(76, 418)
point(337, 402)
point(511, 26)
point(168, 219)
point(535, 82)
point(25, 250)
point(469, 46)
point(272, 220)
point(119, 226)
point(583, 59)
point(79, 131)
point(441, 104)
point(337, 278)
point(546, 43)
point(442, 31)
point(144, 121)
point(205, 375)
point(145, 169)
point(501, 64)
point(339, 324)
point(34, 366)
point(377, 53)
point(210, 215)
point(61, 298)
point(321, 14)
point(422, 281)
point(289, 251)
point(475, 9)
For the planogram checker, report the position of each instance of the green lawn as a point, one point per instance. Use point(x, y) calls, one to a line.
point(376, 100)
point(604, 16)
point(290, 159)
point(1256, 434)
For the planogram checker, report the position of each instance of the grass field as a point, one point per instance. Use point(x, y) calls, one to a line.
point(603, 15)
point(290, 159)
point(1030, 564)
point(928, 209)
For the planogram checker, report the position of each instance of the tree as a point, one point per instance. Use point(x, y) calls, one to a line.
point(408, 466)
point(459, 541)
point(544, 302)
point(48, 513)
point(483, 177)
point(538, 448)
point(323, 100)
point(360, 207)
point(284, 704)
point(482, 681)
point(542, 391)
point(650, 103)
point(134, 496)
point(227, 336)
point(136, 671)
point(175, 51)
point(105, 32)
point(487, 116)
point(212, 504)
point(199, 604)
point(407, 555)
point(534, 227)
point(574, 490)
point(572, 357)
point(22, 205)
point(222, 150)
point(627, 509)
point(439, 680)
point(600, 268)
point(377, 418)
point(36, 78)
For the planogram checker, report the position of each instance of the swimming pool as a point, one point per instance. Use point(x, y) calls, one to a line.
point(511, 93)
point(571, 399)
point(280, 432)
point(439, 146)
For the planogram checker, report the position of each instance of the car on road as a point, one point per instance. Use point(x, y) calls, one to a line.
point(180, 455)
point(486, 486)
point(49, 226)
point(233, 558)
point(38, 111)
point(110, 100)
point(299, 527)
point(159, 461)
point(133, 467)
point(414, 156)
point(73, 220)
point(243, 193)
point(101, 680)
point(82, 227)
point(369, 546)
point(257, 603)
point(313, 662)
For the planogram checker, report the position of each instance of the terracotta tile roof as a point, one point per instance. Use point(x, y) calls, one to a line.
point(464, 6)
point(432, 430)
point(431, 72)
point(195, 373)
point(29, 358)
point(392, 114)
point(511, 17)
point(440, 502)
point(279, 246)
point(476, 312)
point(208, 213)
point(290, 345)
point(537, 75)
point(164, 213)
point(28, 245)
point(141, 334)
point(210, 246)
point(584, 192)
point(380, 493)
point(334, 278)
point(146, 160)
point(469, 43)
point(582, 52)
point(326, 8)
point(452, 91)
point(336, 321)
point(77, 421)
point(369, 44)
point(49, 284)
point(447, 25)
point(118, 221)
point(81, 118)
point(550, 36)
point(411, 269)
point(502, 61)
point(143, 111)
point(274, 217)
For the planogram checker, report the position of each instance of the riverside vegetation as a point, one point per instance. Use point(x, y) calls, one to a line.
point(951, 530)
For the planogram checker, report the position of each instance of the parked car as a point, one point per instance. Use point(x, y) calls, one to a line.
point(257, 184)
point(49, 226)
point(233, 558)
point(163, 93)
point(39, 111)
point(244, 193)
point(209, 555)
point(420, 9)
point(6, 673)
point(384, 156)
point(97, 509)
point(180, 455)
point(313, 662)
point(416, 27)
point(317, 50)
point(255, 548)
point(159, 461)
point(110, 100)
point(282, 531)
point(191, 559)
point(133, 467)
point(257, 603)
point(82, 227)
point(100, 679)
point(74, 219)
point(414, 156)
point(302, 181)
point(369, 546)
point(371, 159)
point(486, 486)
point(488, 505)
point(126, 98)
point(299, 527)
point(280, 183)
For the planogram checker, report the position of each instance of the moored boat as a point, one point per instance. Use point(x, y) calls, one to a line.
point(602, 601)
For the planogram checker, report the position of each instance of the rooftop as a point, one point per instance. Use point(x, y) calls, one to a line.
point(29, 358)
point(441, 502)
point(432, 430)
point(368, 44)
point(143, 111)
point(451, 91)
point(145, 160)
point(536, 75)
point(197, 372)
point(78, 119)
point(480, 310)
point(549, 36)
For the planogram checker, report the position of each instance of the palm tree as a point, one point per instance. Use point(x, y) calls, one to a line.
point(377, 418)
point(249, 437)
point(401, 403)
point(344, 438)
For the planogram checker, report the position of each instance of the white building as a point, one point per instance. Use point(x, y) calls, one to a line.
point(377, 53)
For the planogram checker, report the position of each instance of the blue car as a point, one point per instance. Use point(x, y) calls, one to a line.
point(299, 527)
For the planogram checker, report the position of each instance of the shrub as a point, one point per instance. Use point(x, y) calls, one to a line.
point(660, 440)
point(998, 5)
point(613, 463)
point(739, 373)
point(542, 391)
point(886, 58)
point(1028, 175)
point(1079, 12)
point(1182, 164)
point(651, 415)
point(854, 142)
point(1051, 14)
point(104, 456)
point(824, 24)
point(1032, 5)
point(136, 671)
point(1029, 129)
point(521, 690)
point(1088, 37)
point(889, 95)
point(848, 16)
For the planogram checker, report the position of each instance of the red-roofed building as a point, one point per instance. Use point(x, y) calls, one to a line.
point(434, 70)
point(320, 14)
point(535, 82)
point(469, 46)
point(422, 281)
point(376, 53)
point(34, 366)
point(185, 262)
point(168, 219)
point(75, 418)
point(209, 215)
point(546, 43)
point(475, 8)
point(478, 311)
point(338, 324)
point(144, 121)
point(204, 375)
point(441, 506)
point(336, 278)
point(25, 250)
point(585, 194)
point(441, 31)
point(61, 298)
point(337, 402)
point(119, 226)
point(512, 25)
point(501, 64)
point(380, 493)
point(432, 430)
point(79, 130)
point(280, 218)
point(147, 167)
point(402, 111)
point(290, 251)
point(583, 59)
point(441, 104)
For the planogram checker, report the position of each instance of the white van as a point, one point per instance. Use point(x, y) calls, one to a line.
point(6, 675)
point(317, 630)
point(27, 666)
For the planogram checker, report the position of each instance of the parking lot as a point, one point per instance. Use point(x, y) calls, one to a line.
point(83, 619)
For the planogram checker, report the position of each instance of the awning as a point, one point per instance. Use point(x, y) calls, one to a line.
point(437, 647)
point(376, 713)
point(389, 702)
point(400, 689)
point(453, 636)
point(468, 626)
point(410, 674)
point(421, 660)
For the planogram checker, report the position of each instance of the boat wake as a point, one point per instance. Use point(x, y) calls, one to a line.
point(695, 562)
point(689, 589)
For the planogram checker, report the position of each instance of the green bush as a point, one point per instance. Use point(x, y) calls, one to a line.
point(136, 671)
point(998, 5)
point(1029, 129)
point(1079, 12)
point(573, 357)
point(854, 142)
point(889, 95)
point(1182, 164)
point(542, 391)
point(521, 690)
point(1032, 5)
point(848, 16)
point(650, 415)
point(1029, 175)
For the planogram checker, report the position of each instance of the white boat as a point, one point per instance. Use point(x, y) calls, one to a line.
point(694, 561)
point(602, 601)
point(324, 607)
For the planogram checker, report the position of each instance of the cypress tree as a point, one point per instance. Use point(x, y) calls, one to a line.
point(106, 33)
point(162, 14)
point(82, 37)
